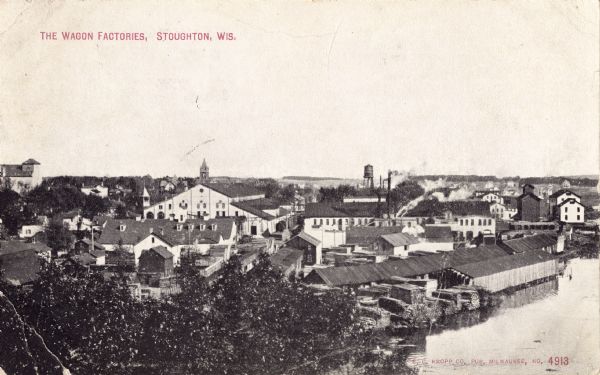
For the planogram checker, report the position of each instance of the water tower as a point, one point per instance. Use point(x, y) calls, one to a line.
point(368, 176)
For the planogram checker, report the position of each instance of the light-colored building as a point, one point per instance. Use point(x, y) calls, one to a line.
point(214, 200)
point(21, 177)
point(502, 211)
point(28, 231)
point(492, 197)
point(136, 236)
point(570, 211)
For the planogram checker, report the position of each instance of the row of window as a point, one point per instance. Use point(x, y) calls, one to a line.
point(184, 205)
point(578, 209)
point(479, 222)
point(567, 217)
point(352, 221)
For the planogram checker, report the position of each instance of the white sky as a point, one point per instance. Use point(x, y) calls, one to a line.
point(486, 87)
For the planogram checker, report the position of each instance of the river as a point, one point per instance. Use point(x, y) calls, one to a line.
point(558, 319)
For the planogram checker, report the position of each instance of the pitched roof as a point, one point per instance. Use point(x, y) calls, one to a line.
point(135, 231)
point(530, 243)
point(348, 209)
point(160, 250)
point(14, 170)
point(286, 257)
point(400, 239)
point(233, 190)
point(410, 267)
point(563, 191)
point(368, 235)
point(256, 207)
point(458, 208)
point(524, 195)
point(308, 238)
point(505, 263)
point(570, 201)
point(31, 162)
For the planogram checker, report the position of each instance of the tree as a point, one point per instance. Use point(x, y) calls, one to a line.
point(94, 205)
point(59, 237)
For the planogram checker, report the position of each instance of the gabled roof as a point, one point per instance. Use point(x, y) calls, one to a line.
point(256, 207)
point(14, 170)
point(400, 239)
point(135, 231)
point(429, 208)
point(286, 257)
point(492, 266)
point(570, 201)
point(308, 238)
point(31, 162)
point(560, 192)
point(160, 250)
point(530, 243)
point(368, 235)
point(410, 267)
point(233, 190)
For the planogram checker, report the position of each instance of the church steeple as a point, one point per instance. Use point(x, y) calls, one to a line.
point(204, 171)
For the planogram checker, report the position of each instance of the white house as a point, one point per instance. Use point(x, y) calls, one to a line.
point(328, 222)
point(570, 211)
point(563, 195)
point(492, 197)
point(28, 231)
point(197, 234)
point(214, 200)
point(566, 184)
point(503, 212)
point(98, 190)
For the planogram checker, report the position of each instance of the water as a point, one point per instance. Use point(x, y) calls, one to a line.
point(558, 319)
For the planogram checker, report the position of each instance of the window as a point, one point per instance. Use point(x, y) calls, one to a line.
point(472, 221)
point(479, 222)
point(461, 221)
point(327, 221)
point(489, 221)
point(201, 190)
point(204, 205)
point(236, 213)
point(169, 206)
point(160, 206)
point(578, 210)
point(152, 239)
point(566, 217)
point(320, 221)
point(198, 205)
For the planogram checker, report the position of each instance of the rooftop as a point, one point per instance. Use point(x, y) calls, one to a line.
point(492, 266)
point(354, 209)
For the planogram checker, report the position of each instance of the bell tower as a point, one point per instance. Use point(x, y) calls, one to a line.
point(204, 171)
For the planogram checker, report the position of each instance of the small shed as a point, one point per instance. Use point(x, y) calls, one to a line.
point(311, 247)
point(157, 260)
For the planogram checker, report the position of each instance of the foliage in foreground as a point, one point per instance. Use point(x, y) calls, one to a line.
point(252, 323)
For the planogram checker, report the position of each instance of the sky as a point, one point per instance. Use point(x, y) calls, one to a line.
point(306, 88)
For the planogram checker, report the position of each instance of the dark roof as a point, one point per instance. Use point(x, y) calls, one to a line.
point(400, 239)
point(563, 191)
point(308, 238)
point(368, 235)
point(256, 207)
point(570, 201)
point(429, 208)
point(233, 190)
point(84, 259)
point(31, 162)
point(286, 257)
point(410, 267)
point(349, 209)
point(97, 253)
point(160, 250)
point(492, 266)
point(135, 231)
point(14, 170)
point(530, 243)
point(438, 233)
point(9, 247)
point(88, 242)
